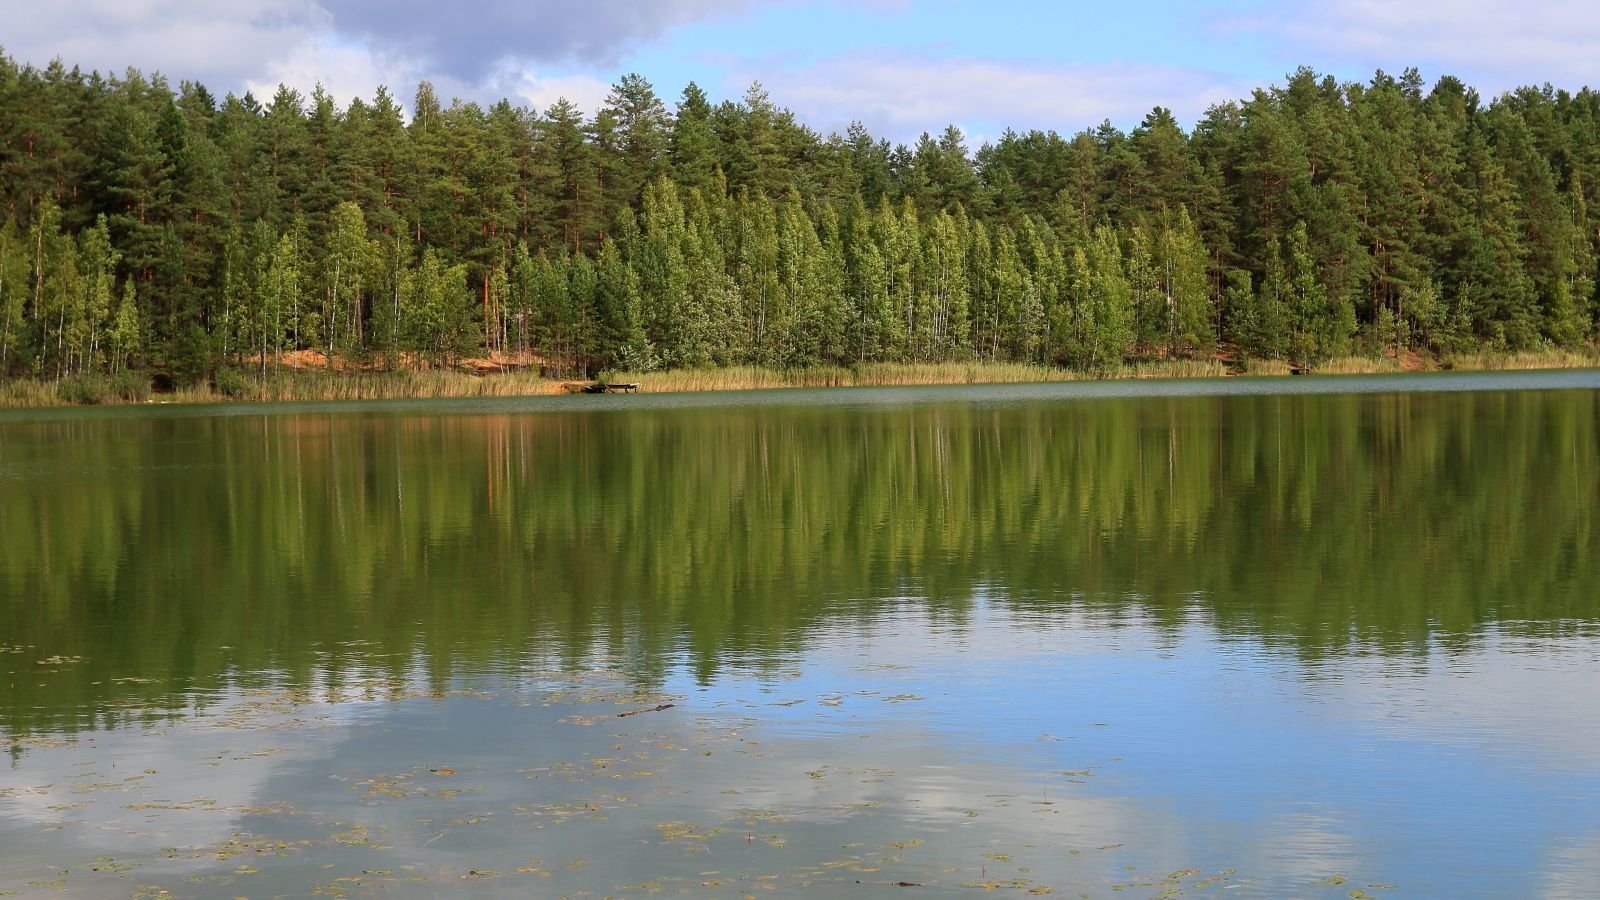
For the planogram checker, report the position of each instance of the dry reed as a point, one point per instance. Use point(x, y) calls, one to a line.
point(319, 385)
point(1582, 358)
point(742, 378)
point(1358, 365)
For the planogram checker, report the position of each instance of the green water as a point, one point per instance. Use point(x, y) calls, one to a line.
point(1249, 638)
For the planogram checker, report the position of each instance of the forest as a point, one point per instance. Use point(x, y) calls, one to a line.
point(169, 232)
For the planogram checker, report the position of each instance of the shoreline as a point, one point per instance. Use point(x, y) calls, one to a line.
point(302, 386)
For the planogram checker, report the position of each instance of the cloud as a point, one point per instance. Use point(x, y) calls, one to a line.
point(223, 43)
point(352, 46)
point(1502, 43)
point(470, 43)
point(539, 91)
point(903, 96)
point(344, 70)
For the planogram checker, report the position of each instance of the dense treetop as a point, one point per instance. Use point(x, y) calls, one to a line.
point(162, 228)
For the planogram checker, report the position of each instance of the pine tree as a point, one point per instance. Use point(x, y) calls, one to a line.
point(1322, 326)
point(566, 157)
point(1152, 321)
point(642, 136)
point(1107, 303)
point(620, 303)
point(692, 142)
point(1181, 267)
point(165, 226)
point(1166, 166)
point(437, 309)
point(663, 275)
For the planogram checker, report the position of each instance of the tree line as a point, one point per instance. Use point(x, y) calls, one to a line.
point(165, 229)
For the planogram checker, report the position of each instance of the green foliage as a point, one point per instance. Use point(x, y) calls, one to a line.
point(232, 383)
point(84, 390)
point(437, 311)
point(91, 388)
point(159, 228)
point(129, 387)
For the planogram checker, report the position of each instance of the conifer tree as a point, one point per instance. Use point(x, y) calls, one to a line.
point(166, 227)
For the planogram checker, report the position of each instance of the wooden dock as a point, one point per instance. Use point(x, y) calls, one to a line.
point(600, 387)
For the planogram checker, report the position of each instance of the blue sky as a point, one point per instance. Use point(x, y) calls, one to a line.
point(900, 66)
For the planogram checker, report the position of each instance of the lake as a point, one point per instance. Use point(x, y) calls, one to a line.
point(1249, 638)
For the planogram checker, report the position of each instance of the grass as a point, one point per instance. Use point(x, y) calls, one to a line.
point(1584, 358)
point(287, 386)
point(743, 378)
point(1476, 361)
point(1266, 367)
point(232, 384)
point(75, 390)
point(1359, 365)
point(29, 392)
point(398, 385)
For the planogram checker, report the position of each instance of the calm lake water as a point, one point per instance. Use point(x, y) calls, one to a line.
point(1308, 637)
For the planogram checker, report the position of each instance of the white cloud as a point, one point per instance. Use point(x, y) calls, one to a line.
point(469, 43)
point(222, 42)
point(538, 91)
point(353, 46)
point(1498, 43)
point(540, 50)
point(902, 96)
point(344, 70)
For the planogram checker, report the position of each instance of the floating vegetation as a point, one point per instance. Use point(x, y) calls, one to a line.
point(22, 743)
point(679, 832)
point(995, 885)
point(447, 845)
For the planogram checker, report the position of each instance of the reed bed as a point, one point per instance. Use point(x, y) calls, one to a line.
point(26, 393)
point(399, 385)
point(74, 390)
point(743, 378)
point(1173, 368)
point(1582, 358)
point(1358, 365)
point(232, 384)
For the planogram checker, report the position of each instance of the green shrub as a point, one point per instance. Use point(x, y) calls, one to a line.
point(84, 390)
point(233, 383)
point(130, 387)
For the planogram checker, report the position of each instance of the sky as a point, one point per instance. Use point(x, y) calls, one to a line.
point(901, 67)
